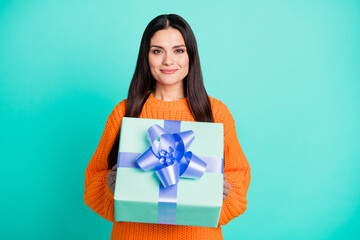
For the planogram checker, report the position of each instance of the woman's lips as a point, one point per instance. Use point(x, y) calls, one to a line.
point(168, 71)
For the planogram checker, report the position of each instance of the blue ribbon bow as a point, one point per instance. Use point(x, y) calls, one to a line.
point(169, 157)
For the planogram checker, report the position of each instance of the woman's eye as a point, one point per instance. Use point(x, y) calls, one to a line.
point(157, 51)
point(179, 50)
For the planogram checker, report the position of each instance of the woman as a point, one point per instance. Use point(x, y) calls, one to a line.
point(167, 84)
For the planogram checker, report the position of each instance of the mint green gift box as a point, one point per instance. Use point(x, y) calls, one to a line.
point(198, 201)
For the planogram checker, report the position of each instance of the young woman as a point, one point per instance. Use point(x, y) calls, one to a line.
point(167, 84)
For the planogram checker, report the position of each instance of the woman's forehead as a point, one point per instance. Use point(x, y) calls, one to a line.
point(167, 38)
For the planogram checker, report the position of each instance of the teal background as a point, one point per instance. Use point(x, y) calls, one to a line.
point(288, 71)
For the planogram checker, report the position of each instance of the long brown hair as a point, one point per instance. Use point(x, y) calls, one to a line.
point(143, 83)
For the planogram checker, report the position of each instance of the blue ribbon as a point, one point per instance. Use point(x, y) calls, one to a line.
point(169, 157)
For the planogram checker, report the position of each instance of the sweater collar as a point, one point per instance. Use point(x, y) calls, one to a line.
point(166, 105)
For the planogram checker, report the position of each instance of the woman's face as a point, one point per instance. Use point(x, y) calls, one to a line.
point(168, 58)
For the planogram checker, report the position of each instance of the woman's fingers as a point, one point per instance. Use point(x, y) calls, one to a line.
point(111, 177)
point(227, 188)
point(112, 187)
point(227, 185)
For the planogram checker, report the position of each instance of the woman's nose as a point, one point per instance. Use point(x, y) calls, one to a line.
point(168, 59)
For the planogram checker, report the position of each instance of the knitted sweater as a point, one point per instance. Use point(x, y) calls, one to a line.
point(99, 197)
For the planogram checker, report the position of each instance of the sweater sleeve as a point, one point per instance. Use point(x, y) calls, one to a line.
point(97, 194)
point(237, 169)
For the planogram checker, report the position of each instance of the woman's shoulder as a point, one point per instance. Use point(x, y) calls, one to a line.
point(119, 109)
point(220, 111)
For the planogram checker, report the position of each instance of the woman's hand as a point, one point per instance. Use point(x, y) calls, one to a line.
point(111, 176)
point(227, 187)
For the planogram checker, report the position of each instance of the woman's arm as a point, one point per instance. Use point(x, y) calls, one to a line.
point(97, 194)
point(236, 167)
point(237, 170)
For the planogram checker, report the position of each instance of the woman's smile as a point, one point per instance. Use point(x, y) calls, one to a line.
point(168, 71)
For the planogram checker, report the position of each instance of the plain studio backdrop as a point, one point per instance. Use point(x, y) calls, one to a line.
point(289, 72)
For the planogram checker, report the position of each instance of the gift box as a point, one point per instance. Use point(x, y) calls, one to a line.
point(169, 172)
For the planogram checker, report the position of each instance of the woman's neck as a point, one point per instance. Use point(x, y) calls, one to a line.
point(169, 93)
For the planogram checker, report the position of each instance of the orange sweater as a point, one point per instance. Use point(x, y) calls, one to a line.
point(99, 197)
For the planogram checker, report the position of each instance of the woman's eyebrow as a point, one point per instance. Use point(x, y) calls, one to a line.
point(156, 46)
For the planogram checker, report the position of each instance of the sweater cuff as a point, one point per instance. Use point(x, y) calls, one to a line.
point(235, 204)
point(99, 197)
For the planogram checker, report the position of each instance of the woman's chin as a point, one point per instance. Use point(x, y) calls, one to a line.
point(169, 82)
